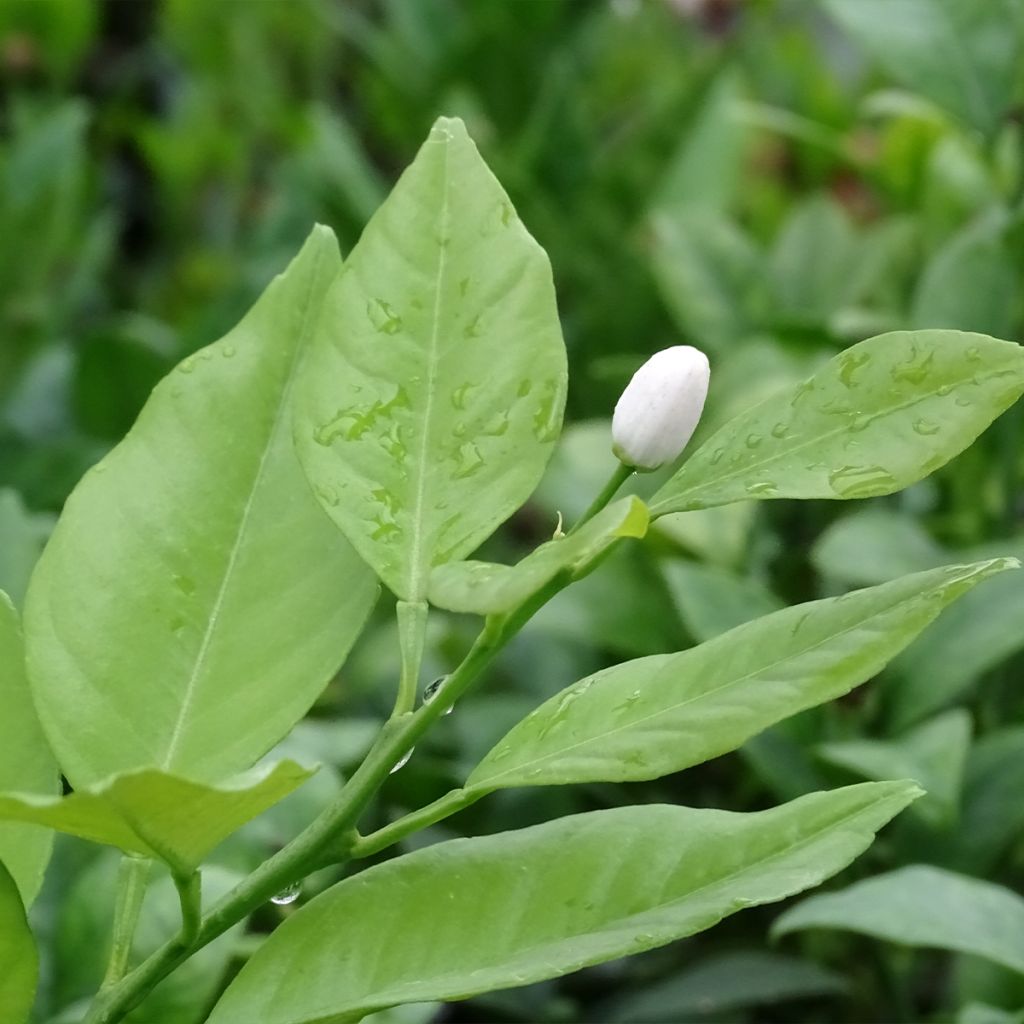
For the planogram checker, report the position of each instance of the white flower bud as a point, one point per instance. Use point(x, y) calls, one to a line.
point(658, 412)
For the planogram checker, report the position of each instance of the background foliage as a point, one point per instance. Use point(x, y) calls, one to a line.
point(768, 180)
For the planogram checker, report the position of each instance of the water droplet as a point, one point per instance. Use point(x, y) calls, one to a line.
point(943, 390)
point(507, 213)
point(925, 427)
point(460, 429)
point(432, 690)
point(860, 423)
point(780, 430)
point(802, 390)
point(185, 585)
point(386, 528)
point(762, 488)
point(753, 440)
point(468, 460)
point(497, 426)
point(327, 495)
point(548, 414)
point(384, 319)
point(974, 354)
point(403, 762)
point(460, 396)
point(188, 365)
point(861, 481)
point(178, 625)
point(472, 329)
point(388, 499)
point(525, 387)
point(228, 351)
point(463, 287)
point(287, 895)
point(629, 701)
point(962, 400)
point(394, 443)
point(848, 367)
point(916, 369)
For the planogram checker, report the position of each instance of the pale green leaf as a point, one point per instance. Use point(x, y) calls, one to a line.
point(473, 915)
point(19, 963)
point(959, 53)
point(879, 416)
point(154, 814)
point(434, 392)
point(661, 714)
point(922, 906)
point(194, 599)
point(25, 760)
point(486, 588)
point(730, 981)
point(933, 755)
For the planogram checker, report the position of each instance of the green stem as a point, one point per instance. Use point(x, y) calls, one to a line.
point(443, 807)
point(615, 481)
point(332, 836)
point(190, 894)
point(131, 890)
point(412, 633)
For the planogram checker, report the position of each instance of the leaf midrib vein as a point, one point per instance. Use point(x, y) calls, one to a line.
point(243, 524)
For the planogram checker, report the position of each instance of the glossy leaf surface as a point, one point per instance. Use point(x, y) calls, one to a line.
point(25, 760)
point(656, 715)
point(922, 906)
point(879, 416)
point(485, 588)
point(19, 963)
point(567, 894)
point(158, 815)
point(435, 390)
point(194, 599)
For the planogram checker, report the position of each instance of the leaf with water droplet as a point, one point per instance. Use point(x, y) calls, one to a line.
point(899, 393)
point(183, 547)
point(706, 701)
point(582, 890)
point(289, 894)
point(477, 350)
point(488, 588)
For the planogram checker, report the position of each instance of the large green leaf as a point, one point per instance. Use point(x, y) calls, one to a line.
point(961, 54)
point(434, 392)
point(934, 755)
point(663, 713)
point(25, 760)
point(473, 915)
point(154, 814)
point(194, 599)
point(879, 416)
point(923, 906)
point(485, 587)
point(19, 963)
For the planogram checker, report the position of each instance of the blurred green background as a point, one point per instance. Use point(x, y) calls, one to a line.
point(770, 180)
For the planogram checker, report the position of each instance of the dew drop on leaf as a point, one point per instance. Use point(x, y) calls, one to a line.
point(404, 761)
point(432, 689)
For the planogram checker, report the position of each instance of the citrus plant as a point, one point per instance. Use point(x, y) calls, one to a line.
point(374, 421)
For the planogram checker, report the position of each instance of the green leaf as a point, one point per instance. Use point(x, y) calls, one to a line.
point(474, 915)
point(661, 714)
point(712, 600)
point(434, 392)
point(973, 637)
point(194, 599)
point(709, 273)
point(486, 588)
point(933, 755)
point(19, 963)
point(875, 545)
point(922, 906)
point(961, 54)
point(25, 760)
point(22, 535)
point(879, 416)
point(154, 814)
point(730, 981)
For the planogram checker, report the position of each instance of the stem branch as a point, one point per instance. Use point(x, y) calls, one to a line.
point(132, 877)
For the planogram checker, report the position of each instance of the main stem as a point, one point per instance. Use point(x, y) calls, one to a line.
point(332, 837)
